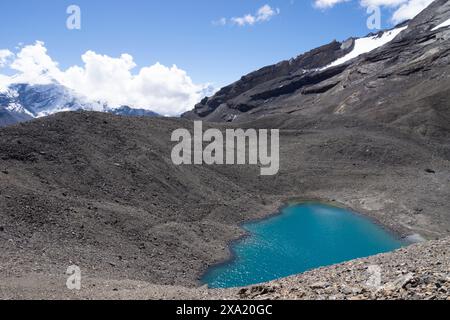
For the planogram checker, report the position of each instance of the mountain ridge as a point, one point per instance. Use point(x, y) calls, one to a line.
point(384, 85)
point(24, 102)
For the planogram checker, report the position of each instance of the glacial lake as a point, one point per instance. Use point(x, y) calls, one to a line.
point(301, 238)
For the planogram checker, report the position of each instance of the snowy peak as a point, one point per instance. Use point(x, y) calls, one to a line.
point(25, 102)
point(43, 100)
point(368, 44)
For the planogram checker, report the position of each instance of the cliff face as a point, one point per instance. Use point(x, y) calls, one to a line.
point(403, 83)
point(295, 67)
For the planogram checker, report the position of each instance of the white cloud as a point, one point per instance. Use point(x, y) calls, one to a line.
point(403, 9)
point(323, 4)
point(244, 20)
point(34, 65)
point(4, 82)
point(410, 9)
point(4, 56)
point(263, 14)
point(166, 90)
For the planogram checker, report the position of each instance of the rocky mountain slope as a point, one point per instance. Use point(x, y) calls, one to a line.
point(403, 83)
point(100, 191)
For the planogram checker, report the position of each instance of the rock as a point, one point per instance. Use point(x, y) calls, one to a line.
point(243, 292)
point(398, 284)
point(261, 290)
point(319, 285)
point(346, 290)
point(405, 280)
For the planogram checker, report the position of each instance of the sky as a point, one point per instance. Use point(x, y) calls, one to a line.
point(168, 54)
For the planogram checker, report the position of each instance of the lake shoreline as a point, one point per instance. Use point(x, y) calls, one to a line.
point(293, 202)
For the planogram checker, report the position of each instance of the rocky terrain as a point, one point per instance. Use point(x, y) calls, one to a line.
point(419, 272)
point(100, 191)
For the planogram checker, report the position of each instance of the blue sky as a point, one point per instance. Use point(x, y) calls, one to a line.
point(180, 32)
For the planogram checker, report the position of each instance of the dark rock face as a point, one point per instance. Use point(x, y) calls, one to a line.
point(292, 68)
point(404, 83)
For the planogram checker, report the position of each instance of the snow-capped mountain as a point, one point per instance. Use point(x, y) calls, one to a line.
point(399, 77)
point(132, 112)
point(22, 102)
point(367, 44)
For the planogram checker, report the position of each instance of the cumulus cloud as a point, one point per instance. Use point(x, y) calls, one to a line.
point(4, 56)
point(410, 9)
point(166, 90)
point(263, 14)
point(403, 9)
point(323, 4)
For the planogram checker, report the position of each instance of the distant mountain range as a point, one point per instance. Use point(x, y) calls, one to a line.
point(22, 102)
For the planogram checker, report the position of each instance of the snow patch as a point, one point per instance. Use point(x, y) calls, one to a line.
point(442, 25)
point(365, 45)
point(18, 108)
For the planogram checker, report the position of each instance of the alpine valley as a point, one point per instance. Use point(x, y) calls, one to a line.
point(364, 125)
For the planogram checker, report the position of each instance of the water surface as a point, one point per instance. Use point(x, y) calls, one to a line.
point(301, 238)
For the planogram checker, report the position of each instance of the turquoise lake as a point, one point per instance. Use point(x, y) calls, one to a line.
point(301, 238)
